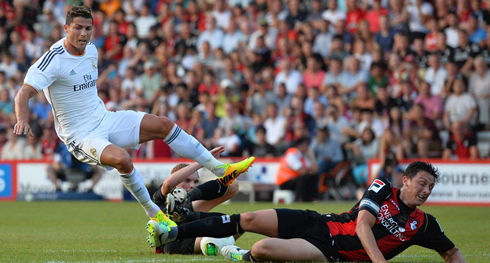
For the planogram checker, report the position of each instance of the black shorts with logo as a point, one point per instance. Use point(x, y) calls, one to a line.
point(307, 225)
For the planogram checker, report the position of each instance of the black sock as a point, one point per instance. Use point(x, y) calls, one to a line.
point(217, 226)
point(248, 257)
point(193, 216)
point(208, 191)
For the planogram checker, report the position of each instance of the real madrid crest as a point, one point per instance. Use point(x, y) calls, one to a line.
point(93, 152)
point(94, 66)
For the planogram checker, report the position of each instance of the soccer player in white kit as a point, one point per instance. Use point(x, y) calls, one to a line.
point(67, 74)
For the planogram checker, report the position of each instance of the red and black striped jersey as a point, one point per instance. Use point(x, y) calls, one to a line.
point(397, 226)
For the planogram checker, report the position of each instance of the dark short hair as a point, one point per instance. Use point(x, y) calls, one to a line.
point(261, 129)
point(300, 141)
point(182, 85)
point(323, 128)
point(377, 65)
point(338, 37)
point(419, 166)
point(78, 11)
point(367, 110)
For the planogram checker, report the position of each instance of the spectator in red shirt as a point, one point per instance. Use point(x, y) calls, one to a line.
point(432, 38)
point(122, 24)
point(165, 15)
point(114, 43)
point(313, 75)
point(209, 84)
point(461, 143)
point(195, 17)
point(373, 15)
point(354, 15)
point(463, 10)
point(285, 31)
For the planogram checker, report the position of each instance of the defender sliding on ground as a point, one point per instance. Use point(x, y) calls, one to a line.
point(385, 222)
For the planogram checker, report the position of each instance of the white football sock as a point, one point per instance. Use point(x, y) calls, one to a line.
point(134, 183)
point(188, 147)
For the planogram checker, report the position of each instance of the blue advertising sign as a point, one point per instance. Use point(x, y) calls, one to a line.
point(6, 182)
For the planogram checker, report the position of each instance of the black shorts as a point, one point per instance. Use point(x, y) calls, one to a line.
point(180, 246)
point(307, 225)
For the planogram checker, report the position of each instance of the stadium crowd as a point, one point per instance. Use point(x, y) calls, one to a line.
point(359, 79)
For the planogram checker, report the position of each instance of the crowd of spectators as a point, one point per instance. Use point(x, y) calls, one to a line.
point(375, 77)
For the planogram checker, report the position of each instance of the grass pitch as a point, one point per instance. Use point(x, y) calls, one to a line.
point(115, 232)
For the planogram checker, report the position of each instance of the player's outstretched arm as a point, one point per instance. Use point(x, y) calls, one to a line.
point(181, 175)
point(365, 223)
point(453, 255)
point(22, 108)
point(178, 177)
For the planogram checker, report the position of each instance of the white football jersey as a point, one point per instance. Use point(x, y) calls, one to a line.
point(69, 84)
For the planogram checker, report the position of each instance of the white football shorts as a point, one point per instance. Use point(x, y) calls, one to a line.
point(121, 128)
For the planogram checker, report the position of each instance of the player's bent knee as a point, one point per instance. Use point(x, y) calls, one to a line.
point(247, 220)
point(165, 124)
point(122, 162)
point(261, 250)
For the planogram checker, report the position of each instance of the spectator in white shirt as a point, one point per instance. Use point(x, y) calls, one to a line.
point(131, 84)
point(460, 106)
point(33, 45)
point(232, 37)
point(369, 120)
point(229, 139)
point(452, 39)
point(291, 77)
point(314, 96)
point(8, 65)
point(212, 34)
point(14, 147)
point(435, 75)
point(145, 21)
point(353, 76)
point(419, 12)
point(58, 9)
point(130, 7)
point(269, 34)
point(333, 14)
point(479, 87)
point(321, 45)
point(336, 123)
point(221, 14)
point(276, 13)
point(361, 54)
point(275, 125)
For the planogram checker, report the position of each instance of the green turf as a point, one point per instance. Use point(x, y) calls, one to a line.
point(115, 232)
